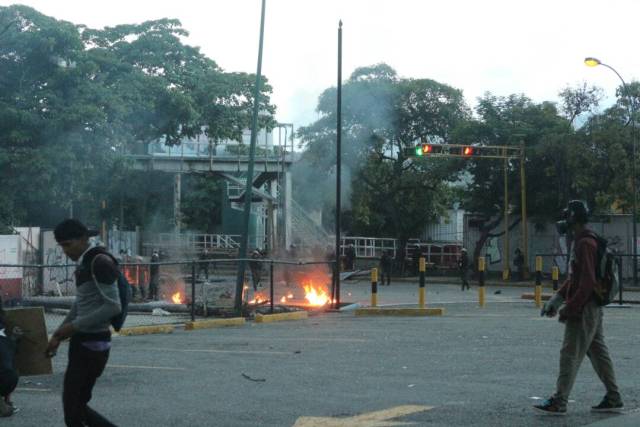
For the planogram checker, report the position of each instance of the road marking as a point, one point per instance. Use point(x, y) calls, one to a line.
point(165, 368)
point(303, 339)
point(369, 419)
point(190, 350)
point(42, 390)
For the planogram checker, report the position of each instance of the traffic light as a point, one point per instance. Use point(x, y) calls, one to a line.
point(427, 149)
point(467, 151)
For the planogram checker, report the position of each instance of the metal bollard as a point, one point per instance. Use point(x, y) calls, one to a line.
point(555, 275)
point(481, 268)
point(421, 290)
point(537, 296)
point(374, 287)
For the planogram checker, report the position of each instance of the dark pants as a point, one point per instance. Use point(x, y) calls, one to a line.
point(464, 277)
point(385, 274)
point(84, 368)
point(153, 286)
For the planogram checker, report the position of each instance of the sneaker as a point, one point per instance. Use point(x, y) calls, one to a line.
point(608, 406)
point(6, 410)
point(550, 407)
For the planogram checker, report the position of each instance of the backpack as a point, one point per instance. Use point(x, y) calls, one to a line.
point(607, 279)
point(124, 292)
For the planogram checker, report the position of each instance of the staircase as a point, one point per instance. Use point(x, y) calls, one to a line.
point(305, 229)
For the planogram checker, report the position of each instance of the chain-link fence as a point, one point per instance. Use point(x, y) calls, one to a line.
point(178, 291)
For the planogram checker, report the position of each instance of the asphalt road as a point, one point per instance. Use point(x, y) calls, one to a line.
point(473, 366)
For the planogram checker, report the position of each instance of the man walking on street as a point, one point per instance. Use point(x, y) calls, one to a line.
point(582, 316)
point(88, 322)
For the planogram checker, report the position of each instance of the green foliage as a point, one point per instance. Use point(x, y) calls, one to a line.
point(73, 100)
point(383, 115)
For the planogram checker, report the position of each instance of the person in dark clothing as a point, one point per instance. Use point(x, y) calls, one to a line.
point(463, 266)
point(8, 373)
point(386, 264)
point(582, 317)
point(415, 259)
point(88, 323)
point(350, 257)
point(204, 266)
point(256, 268)
point(154, 275)
point(518, 263)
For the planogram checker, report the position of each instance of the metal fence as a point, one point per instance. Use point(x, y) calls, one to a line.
point(179, 291)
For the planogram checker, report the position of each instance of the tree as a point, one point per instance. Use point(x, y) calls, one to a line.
point(74, 101)
point(393, 193)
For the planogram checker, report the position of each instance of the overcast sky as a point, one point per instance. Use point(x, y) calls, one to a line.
point(502, 46)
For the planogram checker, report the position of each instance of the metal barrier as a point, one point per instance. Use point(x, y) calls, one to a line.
point(177, 291)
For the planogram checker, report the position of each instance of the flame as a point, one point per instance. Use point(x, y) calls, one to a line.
point(316, 297)
point(283, 300)
point(176, 298)
point(258, 298)
point(289, 295)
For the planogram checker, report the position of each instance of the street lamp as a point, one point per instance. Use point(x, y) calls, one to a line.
point(594, 62)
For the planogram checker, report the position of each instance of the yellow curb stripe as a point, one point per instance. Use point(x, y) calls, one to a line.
point(400, 311)
point(213, 323)
point(146, 330)
point(279, 317)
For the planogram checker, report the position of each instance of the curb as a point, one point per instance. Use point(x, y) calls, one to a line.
point(213, 323)
point(280, 317)
point(377, 311)
point(146, 330)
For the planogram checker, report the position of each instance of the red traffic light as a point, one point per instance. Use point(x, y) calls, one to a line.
point(427, 149)
point(467, 151)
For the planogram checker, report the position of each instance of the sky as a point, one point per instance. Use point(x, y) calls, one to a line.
point(498, 46)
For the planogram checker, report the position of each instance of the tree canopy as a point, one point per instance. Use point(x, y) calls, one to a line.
point(74, 100)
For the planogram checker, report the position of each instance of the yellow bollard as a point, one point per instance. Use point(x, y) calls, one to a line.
point(421, 290)
point(537, 295)
point(555, 275)
point(481, 268)
point(374, 287)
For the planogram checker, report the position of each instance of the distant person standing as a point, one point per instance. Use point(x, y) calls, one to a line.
point(256, 268)
point(463, 267)
point(518, 263)
point(204, 264)
point(88, 323)
point(154, 275)
point(350, 257)
point(386, 265)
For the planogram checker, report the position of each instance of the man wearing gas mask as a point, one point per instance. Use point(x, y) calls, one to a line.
point(582, 317)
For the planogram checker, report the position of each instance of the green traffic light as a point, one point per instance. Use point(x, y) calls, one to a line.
point(419, 150)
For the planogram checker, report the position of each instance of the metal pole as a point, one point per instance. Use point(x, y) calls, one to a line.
point(421, 290)
point(193, 291)
point(248, 193)
point(336, 300)
point(523, 208)
point(271, 285)
point(505, 268)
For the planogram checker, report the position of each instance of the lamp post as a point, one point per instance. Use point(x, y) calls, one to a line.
point(594, 62)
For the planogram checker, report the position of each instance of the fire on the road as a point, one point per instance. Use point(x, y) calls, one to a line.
point(176, 298)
